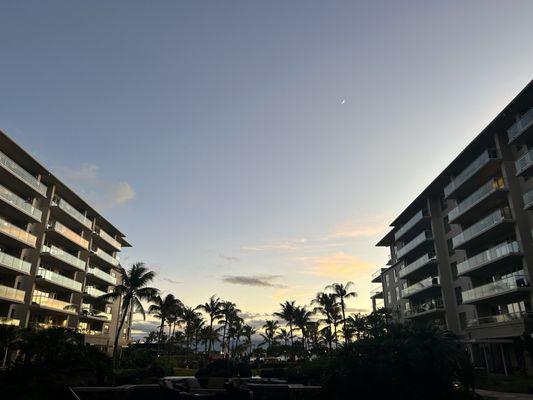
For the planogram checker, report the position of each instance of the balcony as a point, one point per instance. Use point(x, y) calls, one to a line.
point(516, 132)
point(488, 261)
point(429, 307)
point(54, 304)
point(418, 265)
point(72, 236)
point(9, 321)
point(376, 293)
point(58, 280)
point(413, 244)
point(94, 292)
point(63, 256)
point(480, 169)
point(16, 170)
point(23, 208)
point(493, 224)
point(413, 222)
point(14, 233)
point(508, 287)
point(14, 264)
point(488, 196)
point(499, 319)
point(524, 163)
point(72, 212)
point(11, 294)
point(90, 312)
point(104, 276)
point(106, 257)
point(109, 239)
point(528, 200)
point(376, 276)
point(425, 286)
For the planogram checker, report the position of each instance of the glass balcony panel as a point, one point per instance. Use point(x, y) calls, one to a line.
point(425, 259)
point(107, 257)
point(10, 293)
point(73, 212)
point(498, 319)
point(524, 162)
point(54, 304)
point(59, 279)
point(88, 310)
point(19, 203)
point(469, 171)
point(409, 224)
point(482, 192)
point(487, 256)
point(481, 226)
point(64, 256)
point(109, 239)
point(519, 126)
point(14, 263)
point(433, 304)
point(498, 287)
point(9, 321)
point(22, 174)
point(102, 275)
point(421, 285)
point(528, 199)
point(15, 232)
point(426, 235)
point(94, 292)
point(69, 234)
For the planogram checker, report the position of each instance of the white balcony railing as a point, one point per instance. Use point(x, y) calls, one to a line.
point(487, 256)
point(14, 263)
point(420, 215)
point(64, 256)
point(524, 162)
point(54, 304)
point(7, 228)
point(420, 262)
point(520, 126)
point(22, 174)
point(102, 275)
point(424, 236)
point(70, 234)
point(481, 226)
point(107, 257)
point(502, 286)
point(10, 293)
point(9, 197)
point(59, 279)
point(484, 191)
point(73, 212)
point(421, 285)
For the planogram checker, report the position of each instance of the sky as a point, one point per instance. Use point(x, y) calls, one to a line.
point(256, 150)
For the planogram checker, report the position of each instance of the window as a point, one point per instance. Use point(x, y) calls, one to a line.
point(389, 300)
point(397, 293)
point(451, 250)
point(395, 273)
point(387, 279)
point(443, 204)
point(453, 266)
point(458, 295)
point(447, 227)
point(462, 320)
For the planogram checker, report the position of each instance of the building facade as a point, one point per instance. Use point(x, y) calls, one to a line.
point(57, 254)
point(461, 254)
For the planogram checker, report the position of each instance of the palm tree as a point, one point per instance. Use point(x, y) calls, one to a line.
point(284, 335)
point(301, 318)
point(131, 291)
point(327, 306)
point(229, 312)
point(342, 292)
point(269, 337)
point(8, 334)
point(357, 325)
point(189, 317)
point(164, 309)
point(213, 309)
point(287, 313)
point(248, 331)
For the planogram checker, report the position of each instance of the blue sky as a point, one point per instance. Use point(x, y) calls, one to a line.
point(256, 150)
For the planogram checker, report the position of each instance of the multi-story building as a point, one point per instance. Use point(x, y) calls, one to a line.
point(462, 251)
point(57, 254)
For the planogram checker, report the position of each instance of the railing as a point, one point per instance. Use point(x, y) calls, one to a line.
point(94, 292)
point(59, 279)
point(419, 286)
point(102, 275)
point(91, 332)
point(17, 202)
point(425, 259)
point(70, 234)
point(10, 293)
point(519, 126)
point(48, 302)
point(48, 325)
point(498, 319)
point(482, 192)
point(89, 311)
point(469, 171)
point(63, 256)
point(376, 291)
point(481, 226)
point(409, 224)
point(498, 287)
point(73, 212)
point(487, 256)
point(524, 162)
point(106, 257)
point(9, 321)
point(22, 174)
point(528, 199)
point(426, 235)
point(433, 304)
point(377, 274)
point(109, 239)
point(17, 233)
point(14, 263)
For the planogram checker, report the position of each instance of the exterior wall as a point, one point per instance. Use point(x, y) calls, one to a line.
point(54, 276)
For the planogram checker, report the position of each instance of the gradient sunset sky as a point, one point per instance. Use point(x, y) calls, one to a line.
point(256, 149)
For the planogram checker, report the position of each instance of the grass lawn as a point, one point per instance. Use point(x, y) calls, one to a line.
point(500, 383)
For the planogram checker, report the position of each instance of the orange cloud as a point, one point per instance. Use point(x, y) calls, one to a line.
point(338, 265)
point(367, 226)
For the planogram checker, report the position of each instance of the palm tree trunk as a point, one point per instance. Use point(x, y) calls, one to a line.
point(119, 329)
point(344, 321)
point(5, 357)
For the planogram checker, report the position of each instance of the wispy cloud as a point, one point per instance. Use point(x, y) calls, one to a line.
point(102, 192)
point(170, 280)
point(336, 265)
point(228, 258)
point(254, 280)
point(363, 226)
